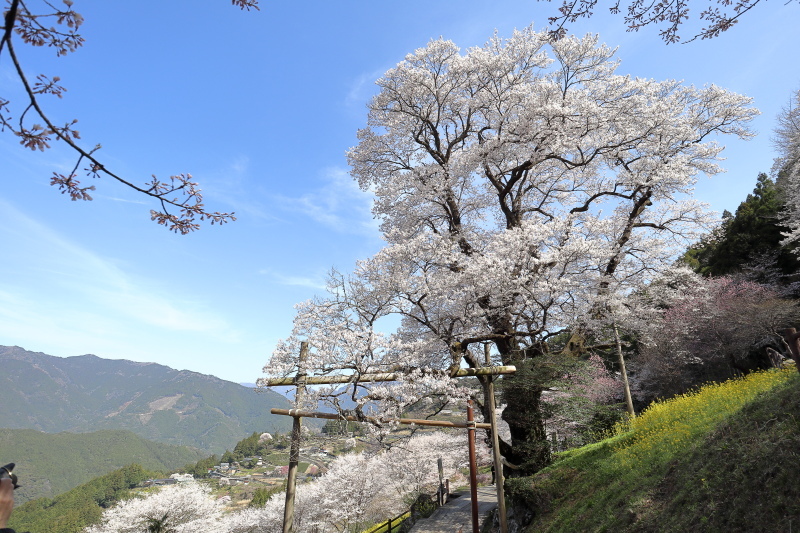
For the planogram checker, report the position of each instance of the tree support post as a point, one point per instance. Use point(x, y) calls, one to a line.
point(498, 464)
point(792, 338)
point(390, 376)
point(302, 379)
point(351, 418)
point(294, 450)
point(624, 372)
point(473, 467)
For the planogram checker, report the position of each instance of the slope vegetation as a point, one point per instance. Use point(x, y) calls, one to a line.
point(721, 459)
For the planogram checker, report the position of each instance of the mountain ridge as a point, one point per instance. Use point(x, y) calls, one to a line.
point(88, 393)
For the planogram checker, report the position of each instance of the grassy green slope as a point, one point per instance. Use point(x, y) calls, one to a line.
point(49, 464)
point(724, 459)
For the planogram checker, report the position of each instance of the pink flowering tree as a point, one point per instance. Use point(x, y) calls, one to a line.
point(723, 327)
point(577, 396)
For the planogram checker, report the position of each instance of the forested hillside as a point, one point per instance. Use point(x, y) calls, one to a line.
point(88, 393)
point(49, 464)
point(72, 511)
point(751, 240)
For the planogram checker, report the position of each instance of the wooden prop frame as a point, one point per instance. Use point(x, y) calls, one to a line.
point(301, 380)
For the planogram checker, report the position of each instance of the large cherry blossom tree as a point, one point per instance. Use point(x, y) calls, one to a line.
point(519, 185)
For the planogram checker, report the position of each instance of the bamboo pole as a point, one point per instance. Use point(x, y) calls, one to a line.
point(498, 462)
point(294, 450)
point(387, 376)
point(414, 421)
point(473, 468)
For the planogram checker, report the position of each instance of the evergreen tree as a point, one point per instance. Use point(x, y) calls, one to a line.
point(247, 447)
point(750, 238)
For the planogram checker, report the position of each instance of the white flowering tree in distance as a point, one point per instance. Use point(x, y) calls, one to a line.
point(182, 508)
point(357, 489)
point(517, 184)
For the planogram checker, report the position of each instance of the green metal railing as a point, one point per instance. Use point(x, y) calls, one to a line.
point(390, 525)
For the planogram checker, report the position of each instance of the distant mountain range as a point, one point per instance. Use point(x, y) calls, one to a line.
point(49, 464)
point(87, 393)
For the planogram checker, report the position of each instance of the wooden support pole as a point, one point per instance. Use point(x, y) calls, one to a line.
point(349, 418)
point(294, 450)
point(301, 380)
point(498, 461)
point(473, 468)
point(387, 376)
point(792, 338)
point(624, 372)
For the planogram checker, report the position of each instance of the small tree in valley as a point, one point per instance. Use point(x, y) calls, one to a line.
point(182, 508)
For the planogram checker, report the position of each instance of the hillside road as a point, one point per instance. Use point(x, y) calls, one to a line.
point(456, 516)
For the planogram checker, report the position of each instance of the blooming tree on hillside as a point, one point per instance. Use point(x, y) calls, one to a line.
point(359, 489)
point(573, 401)
point(516, 183)
point(412, 467)
point(710, 329)
point(182, 508)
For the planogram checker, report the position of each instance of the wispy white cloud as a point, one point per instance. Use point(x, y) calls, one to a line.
point(123, 200)
point(363, 88)
point(312, 282)
point(338, 204)
point(233, 185)
point(240, 165)
point(59, 289)
point(7, 76)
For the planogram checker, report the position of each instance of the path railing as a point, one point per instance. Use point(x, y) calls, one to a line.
point(413, 514)
point(390, 525)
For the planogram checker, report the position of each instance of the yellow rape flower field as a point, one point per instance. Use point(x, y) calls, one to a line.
point(722, 458)
point(668, 427)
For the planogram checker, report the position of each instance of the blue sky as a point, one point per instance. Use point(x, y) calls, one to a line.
point(260, 107)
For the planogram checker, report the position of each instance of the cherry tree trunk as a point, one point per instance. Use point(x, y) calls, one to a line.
point(524, 414)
